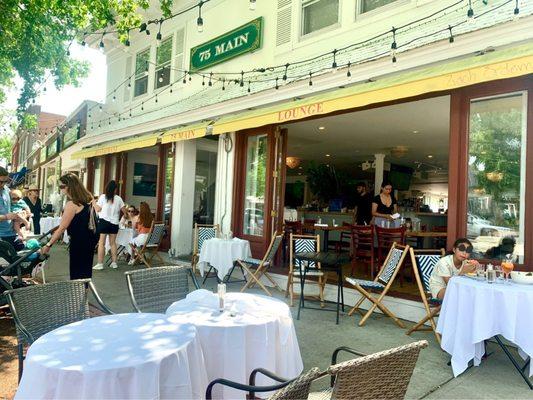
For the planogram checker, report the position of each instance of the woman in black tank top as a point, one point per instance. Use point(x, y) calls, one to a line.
point(75, 220)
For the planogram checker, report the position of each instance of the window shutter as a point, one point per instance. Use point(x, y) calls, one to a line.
point(180, 43)
point(284, 22)
point(127, 89)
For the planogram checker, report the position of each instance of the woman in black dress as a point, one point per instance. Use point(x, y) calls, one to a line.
point(384, 205)
point(75, 220)
point(34, 202)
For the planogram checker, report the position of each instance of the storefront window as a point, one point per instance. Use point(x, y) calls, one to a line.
point(204, 188)
point(496, 176)
point(319, 14)
point(254, 196)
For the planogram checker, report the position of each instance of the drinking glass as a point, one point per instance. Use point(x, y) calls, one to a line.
point(480, 271)
point(507, 267)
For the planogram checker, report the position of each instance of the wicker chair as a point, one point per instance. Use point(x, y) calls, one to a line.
point(383, 375)
point(154, 290)
point(39, 309)
point(295, 389)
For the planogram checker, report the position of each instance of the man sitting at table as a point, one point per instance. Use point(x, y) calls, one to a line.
point(457, 263)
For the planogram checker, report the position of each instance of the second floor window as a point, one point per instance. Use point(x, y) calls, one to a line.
point(141, 72)
point(319, 14)
point(369, 5)
point(163, 61)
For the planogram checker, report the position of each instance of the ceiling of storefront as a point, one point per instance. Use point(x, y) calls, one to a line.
point(422, 127)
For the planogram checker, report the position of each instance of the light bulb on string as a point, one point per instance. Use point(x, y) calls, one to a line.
point(252, 5)
point(127, 41)
point(277, 86)
point(348, 72)
point(516, 11)
point(451, 39)
point(171, 87)
point(158, 37)
point(101, 45)
point(200, 20)
point(334, 63)
point(156, 100)
point(223, 83)
point(241, 83)
point(249, 88)
point(142, 106)
point(470, 13)
point(185, 78)
point(285, 73)
point(310, 81)
point(210, 77)
point(203, 80)
point(393, 46)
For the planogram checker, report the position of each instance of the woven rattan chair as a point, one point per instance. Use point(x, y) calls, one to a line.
point(39, 309)
point(261, 266)
point(380, 284)
point(154, 290)
point(424, 262)
point(383, 375)
point(295, 389)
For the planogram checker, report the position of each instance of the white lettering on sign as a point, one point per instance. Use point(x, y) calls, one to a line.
point(231, 44)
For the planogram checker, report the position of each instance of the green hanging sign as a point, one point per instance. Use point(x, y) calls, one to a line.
point(70, 136)
point(244, 39)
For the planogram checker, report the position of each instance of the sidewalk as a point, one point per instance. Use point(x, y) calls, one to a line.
point(318, 336)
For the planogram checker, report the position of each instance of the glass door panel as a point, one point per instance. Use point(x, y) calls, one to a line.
point(255, 184)
point(496, 176)
point(204, 188)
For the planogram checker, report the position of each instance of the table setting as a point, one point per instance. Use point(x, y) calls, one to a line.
point(116, 356)
point(239, 332)
point(221, 253)
point(489, 303)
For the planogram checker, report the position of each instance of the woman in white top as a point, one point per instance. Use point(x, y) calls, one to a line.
point(108, 206)
point(457, 263)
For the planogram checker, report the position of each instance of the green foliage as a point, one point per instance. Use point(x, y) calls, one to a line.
point(35, 34)
point(256, 168)
point(6, 144)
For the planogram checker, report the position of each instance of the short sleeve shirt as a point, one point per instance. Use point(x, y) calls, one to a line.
point(444, 268)
point(6, 227)
point(110, 210)
point(382, 208)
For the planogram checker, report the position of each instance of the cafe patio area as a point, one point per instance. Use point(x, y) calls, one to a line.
point(317, 336)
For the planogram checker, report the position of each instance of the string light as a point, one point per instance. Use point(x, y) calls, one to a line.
point(334, 64)
point(142, 106)
point(253, 5)
point(210, 76)
point(348, 73)
point(101, 45)
point(156, 98)
point(451, 39)
point(470, 13)
point(249, 89)
point(310, 79)
point(241, 83)
point(171, 87)
point(285, 73)
point(127, 41)
point(393, 46)
point(158, 37)
point(223, 83)
point(516, 10)
point(200, 20)
point(203, 80)
point(185, 78)
point(277, 86)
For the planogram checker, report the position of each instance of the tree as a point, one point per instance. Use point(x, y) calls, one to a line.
point(35, 36)
point(6, 146)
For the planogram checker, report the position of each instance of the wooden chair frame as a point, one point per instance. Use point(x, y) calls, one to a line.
point(195, 247)
point(289, 292)
point(430, 313)
point(266, 261)
point(140, 254)
point(377, 301)
point(356, 252)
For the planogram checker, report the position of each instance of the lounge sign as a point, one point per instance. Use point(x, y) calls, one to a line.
point(241, 40)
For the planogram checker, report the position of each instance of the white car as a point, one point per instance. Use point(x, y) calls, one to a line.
point(477, 226)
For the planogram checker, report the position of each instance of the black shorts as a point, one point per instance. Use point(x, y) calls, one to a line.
point(107, 227)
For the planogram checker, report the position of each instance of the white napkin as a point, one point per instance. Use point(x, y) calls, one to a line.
point(203, 297)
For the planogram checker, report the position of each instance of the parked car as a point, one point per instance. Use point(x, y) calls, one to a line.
point(477, 226)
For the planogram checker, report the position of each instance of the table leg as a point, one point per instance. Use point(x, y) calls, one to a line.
point(515, 363)
point(302, 281)
point(341, 279)
point(339, 284)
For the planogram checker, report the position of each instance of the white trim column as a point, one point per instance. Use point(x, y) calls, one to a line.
point(379, 161)
point(183, 196)
point(224, 188)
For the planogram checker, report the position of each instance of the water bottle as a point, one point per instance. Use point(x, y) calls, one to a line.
point(491, 274)
point(221, 291)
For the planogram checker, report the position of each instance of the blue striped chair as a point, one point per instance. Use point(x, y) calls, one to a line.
point(201, 234)
point(380, 284)
point(424, 262)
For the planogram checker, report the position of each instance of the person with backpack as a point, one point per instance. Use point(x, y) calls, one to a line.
point(79, 221)
point(109, 206)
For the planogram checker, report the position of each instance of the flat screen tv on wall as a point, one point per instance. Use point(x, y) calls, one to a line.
point(400, 177)
point(144, 180)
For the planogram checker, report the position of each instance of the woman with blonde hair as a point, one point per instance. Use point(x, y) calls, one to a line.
point(75, 219)
point(143, 226)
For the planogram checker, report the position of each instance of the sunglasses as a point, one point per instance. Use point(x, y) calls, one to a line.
point(130, 211)
point(62, 186)
point(465, 248)
point(15, 198)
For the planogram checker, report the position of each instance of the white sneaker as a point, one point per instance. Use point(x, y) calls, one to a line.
point(113, 265)
point(131, 262)
point(98, 267)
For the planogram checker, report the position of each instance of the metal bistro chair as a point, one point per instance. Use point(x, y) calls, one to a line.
point(424, 262)
point(151, 246)
point(383, 375)
point(261, 266)
point(39, 309)
point(154, 290)
point(201, 234)
point(380, 284)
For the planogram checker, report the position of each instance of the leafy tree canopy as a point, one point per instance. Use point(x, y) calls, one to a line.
point(35, 36)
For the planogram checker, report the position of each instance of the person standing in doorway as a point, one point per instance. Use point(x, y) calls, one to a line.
point(364, 205)
point(384, 205)
point(7, 217)
point(75, 220)
point(108, 206)
point(34, 202)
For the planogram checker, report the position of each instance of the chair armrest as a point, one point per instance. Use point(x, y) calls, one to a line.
point(249, 388)
point(29, 337)
point(99, 300)
point(266, 373)
point(336, 353)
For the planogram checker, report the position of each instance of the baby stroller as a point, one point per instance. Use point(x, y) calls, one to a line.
point(21, 264)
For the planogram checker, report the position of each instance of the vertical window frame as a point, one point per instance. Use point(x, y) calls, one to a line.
point(167, 64)
point(306, 3)
point(143, 74)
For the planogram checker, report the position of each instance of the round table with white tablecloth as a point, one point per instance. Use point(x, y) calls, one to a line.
point(136, 356)
point(254, 331)
point(124, 237)
point(475, 310)
point(222, 253)
point(48, 223)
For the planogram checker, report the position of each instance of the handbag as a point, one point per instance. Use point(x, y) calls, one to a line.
point(93, 220)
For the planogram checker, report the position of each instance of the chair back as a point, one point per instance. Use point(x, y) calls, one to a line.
point(295, 227)
point(424, 262)
point(39, 309)
point(299, 388)
point(156, 235)
point(386, 237)
point(272, 249)
point(392, 263)
point(362, 240)
point(301, 244)
point(383, 375)
point(203, 233)
point(153, 290)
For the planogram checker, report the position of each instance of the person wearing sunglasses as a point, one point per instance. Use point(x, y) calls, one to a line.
point(457, 263)
point(20, 207)
point(130, 217)
point(7, 217)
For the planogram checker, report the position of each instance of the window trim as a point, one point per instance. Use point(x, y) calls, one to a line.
point(336, 25)
point(166, 64)
point(147, 74)
point(387, 8)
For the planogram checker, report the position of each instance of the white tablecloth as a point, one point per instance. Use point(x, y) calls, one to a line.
point(48, 223)
point(261, 334)
point(124, 237)
point(222, 253)
point(123, 356)
point(474, 310)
